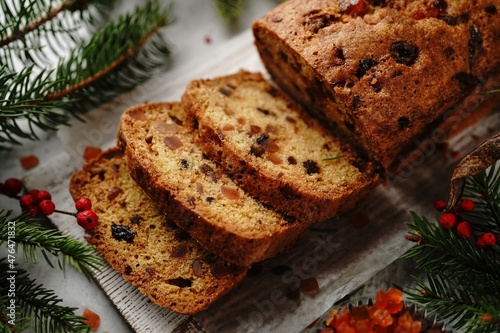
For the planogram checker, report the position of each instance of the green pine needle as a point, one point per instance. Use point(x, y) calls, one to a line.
point(118, 57)
point(52, 245)
point(229, 10)
point(37, 31)
point(35, 306)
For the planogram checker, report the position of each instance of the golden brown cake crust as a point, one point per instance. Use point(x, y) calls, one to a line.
point(384, 74)
point(160, 259)
point(201, 199)
point(273, 149)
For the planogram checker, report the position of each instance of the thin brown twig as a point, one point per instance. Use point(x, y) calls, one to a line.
point(35, 24)
point(88, 81)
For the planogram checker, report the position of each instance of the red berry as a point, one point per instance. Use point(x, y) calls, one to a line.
point(33, 192)
point(47, 207)
point(27, 202)
point(464, 229)
point(12, 186)
point(440, 205)
point(42, 195)
point(447, 220)
point(467, 205)
point(83, 204)
point(87, 219)
point(489, 238)
point(486, 240)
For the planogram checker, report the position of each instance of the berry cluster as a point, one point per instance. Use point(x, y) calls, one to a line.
point(454, 220)
point(39, 203)
point(387, 315)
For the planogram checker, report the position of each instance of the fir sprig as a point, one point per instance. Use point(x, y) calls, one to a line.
point(118, 57)
point(487, 212)
point(29, 30)
point(463, 280)
point(51, 244)
point(35, 306)
point(229, 10)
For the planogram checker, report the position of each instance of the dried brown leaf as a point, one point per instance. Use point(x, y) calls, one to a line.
point(476, 161)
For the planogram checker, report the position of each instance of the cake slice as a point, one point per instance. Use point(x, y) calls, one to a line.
point(144, 245)
point(273, 149)
point(390, 74)
point(199, 196)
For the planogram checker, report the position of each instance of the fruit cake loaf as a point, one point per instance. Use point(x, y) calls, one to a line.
point(144, 245)
point(199, 196)
point(273, 149)
point(382, 71)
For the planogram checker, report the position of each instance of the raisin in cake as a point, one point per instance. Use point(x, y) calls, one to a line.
point(144, 245)
point(273, 150)
point(385, 72)
point(200, 197)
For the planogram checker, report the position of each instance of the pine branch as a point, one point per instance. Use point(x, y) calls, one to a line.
point(117, 45)
point(34, 305)
point(443, 250)
point(463, 279)
point(117, 58)
point(49, 242)
point(229, 10)
point(19, 33)
point(29, 31)
point(485, 189)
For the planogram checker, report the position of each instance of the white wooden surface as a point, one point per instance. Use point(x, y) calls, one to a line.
point(341, 259)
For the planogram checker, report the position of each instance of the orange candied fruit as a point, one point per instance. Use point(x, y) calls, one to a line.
point(29, 162)
point(92, 319)
point(391, 300)
point(385, 316)
point(355, 8)
point(91, 152)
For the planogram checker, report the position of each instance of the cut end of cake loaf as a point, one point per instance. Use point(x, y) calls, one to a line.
point(273, 149)
point(144, 245)
point(200, 197)
point(384, 72)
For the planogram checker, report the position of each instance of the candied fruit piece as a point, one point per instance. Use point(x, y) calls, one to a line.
point(382, 317)
point(353, 7)
point(364, 325)
point(343, 315)
point(344, 327)
point(92, 319)
point(91, 153)
point(29, 162)
point(381, 300)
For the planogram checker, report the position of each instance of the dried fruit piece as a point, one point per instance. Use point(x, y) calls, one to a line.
point(404, 53)
point(172, 142)
point(122, 232)
point(309, 286)
point(91, 152)
point(92, 319)
point(229, 192)
point(29, 162)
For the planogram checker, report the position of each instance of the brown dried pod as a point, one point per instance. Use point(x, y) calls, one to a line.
point(472, 164)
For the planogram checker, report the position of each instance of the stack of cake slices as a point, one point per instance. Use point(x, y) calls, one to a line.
point(196, 191)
